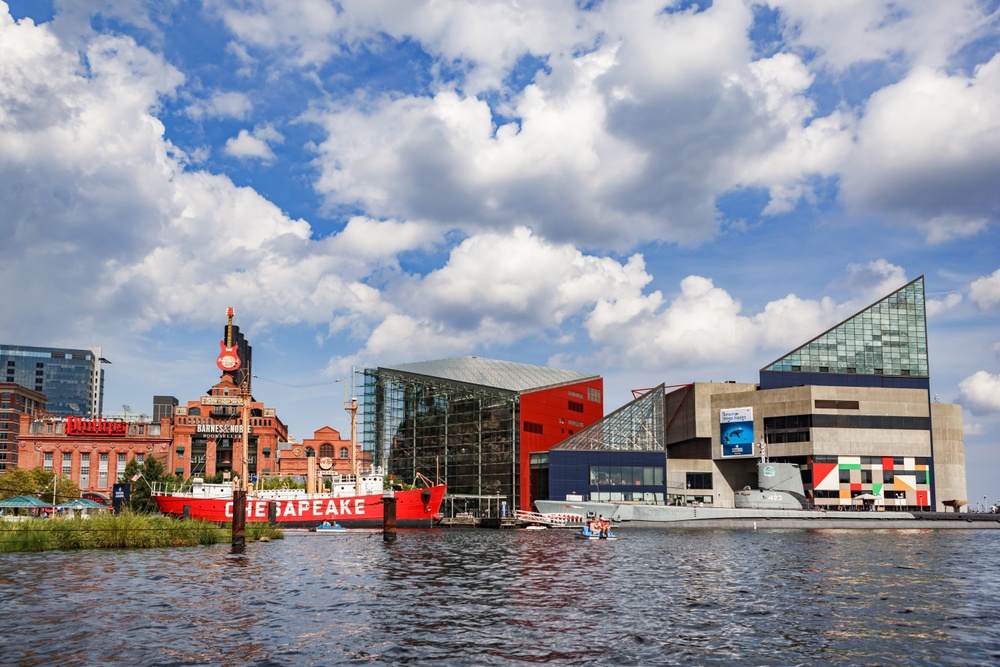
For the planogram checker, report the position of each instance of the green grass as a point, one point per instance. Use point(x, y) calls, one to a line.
point(121, 531)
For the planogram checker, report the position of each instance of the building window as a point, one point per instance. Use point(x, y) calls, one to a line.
point(532, 427)
point(102, 470)
point(122, 460)
point(84, 470)
point(141, 458)
point(699, 480)
point(326, 451)
point(593, 395)
point(344, 453)
point(576, 407)
point(310, 452)
point(575, 394)
point(67, 464)
point(47, 461)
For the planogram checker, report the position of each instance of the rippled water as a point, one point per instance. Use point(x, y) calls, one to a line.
point(654, 597)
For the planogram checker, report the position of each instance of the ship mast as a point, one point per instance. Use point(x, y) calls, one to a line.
point(352, 408)
point(245, 415)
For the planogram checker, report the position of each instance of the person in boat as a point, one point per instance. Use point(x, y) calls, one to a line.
point(604, 526)
point(325, 524)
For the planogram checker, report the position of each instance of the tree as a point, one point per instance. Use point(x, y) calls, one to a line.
point(37, 482)
point(141, 488)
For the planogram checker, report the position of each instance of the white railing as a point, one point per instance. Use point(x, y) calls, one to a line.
point(538, 517)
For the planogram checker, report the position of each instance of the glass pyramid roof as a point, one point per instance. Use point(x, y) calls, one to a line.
point(887, 338)
point(636, 427)
point(507, 375)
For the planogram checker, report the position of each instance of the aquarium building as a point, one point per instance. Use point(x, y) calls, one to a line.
point(852, 407)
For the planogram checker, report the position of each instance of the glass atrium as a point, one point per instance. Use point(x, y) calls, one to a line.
point(887, 338)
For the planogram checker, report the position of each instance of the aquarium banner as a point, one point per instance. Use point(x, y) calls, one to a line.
point(736, 431)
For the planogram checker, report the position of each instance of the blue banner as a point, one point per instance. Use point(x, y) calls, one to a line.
point(736, 432)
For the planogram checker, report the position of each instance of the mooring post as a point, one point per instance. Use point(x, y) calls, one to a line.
point(239, 520)
point(388, 516)
point(272, 513)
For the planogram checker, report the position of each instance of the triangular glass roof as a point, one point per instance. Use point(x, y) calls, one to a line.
point(508, 375)
point(635, 427)
point(887, 338)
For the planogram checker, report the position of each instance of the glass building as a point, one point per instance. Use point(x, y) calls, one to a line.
point(472, 422)
point(883, 345)
point(71, 379)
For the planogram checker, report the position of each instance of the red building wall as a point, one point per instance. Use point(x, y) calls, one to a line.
point(549, 416)
point(59, 437)
point(333, 455)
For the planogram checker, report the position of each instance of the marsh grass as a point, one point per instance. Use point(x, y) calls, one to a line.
point(120, 531)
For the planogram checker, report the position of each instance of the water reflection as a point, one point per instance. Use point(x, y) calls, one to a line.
point(502, 597)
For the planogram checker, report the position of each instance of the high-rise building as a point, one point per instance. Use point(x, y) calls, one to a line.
point(15, 401)
point(71, 379)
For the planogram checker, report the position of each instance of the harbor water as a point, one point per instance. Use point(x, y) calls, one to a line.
point(492, 597)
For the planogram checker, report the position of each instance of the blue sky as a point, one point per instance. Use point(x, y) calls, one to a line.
point(649, 191)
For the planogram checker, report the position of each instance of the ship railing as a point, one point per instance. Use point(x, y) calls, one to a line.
point(539, 518)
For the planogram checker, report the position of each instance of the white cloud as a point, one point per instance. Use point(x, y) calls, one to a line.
point(874, 280)
point(936, 307)
point(981, 392)
point(849, 32)
point(483, 39)
point(985, 291)
point(255, 144)
point(232, 104)
point(943, 182)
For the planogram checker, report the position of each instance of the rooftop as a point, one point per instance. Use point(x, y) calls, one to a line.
point(493, 373)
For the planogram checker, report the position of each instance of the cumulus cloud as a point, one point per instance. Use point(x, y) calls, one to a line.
point(485, 40)
point(981, 392)
point(220, 104)
point(850, 32)
point(254, 144)
point(639, 119)
point(935, 307)
point(942, 183)
point(985, 291)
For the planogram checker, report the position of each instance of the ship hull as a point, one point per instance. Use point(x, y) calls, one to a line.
point(637, 516)
point(416, 508)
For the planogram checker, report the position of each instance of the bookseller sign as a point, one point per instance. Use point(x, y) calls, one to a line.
point(736, 431)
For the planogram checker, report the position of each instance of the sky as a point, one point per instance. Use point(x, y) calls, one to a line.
point(654, 192)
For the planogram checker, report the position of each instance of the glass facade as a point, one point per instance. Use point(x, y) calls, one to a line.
point(459, 433)
point(636, 427)
point(889, 338)
point(72, 380)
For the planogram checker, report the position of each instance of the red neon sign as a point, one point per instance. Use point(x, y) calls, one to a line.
point(81, 426)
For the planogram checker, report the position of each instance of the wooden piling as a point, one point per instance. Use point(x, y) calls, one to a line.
point(388, 517)
point(239, 520)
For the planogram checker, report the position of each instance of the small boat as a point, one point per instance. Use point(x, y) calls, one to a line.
point(534, 526)
point(327, 527)
point(596, 530)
